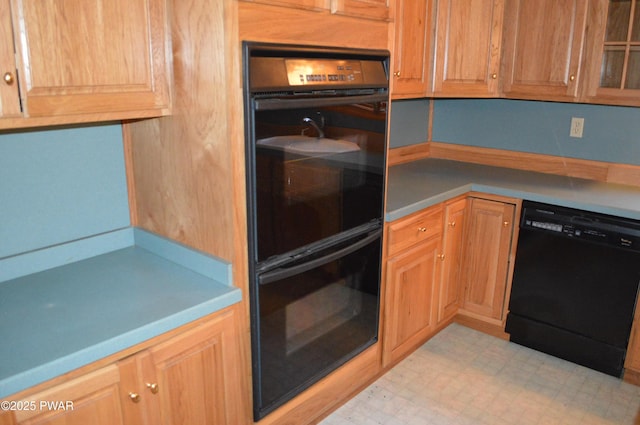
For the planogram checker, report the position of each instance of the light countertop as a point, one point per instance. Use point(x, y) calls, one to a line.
point(420, 184)
point(60, 318)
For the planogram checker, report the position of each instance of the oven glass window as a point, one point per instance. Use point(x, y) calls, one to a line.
point(318, 172)
point(312, 322)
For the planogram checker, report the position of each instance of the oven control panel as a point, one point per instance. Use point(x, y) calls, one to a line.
point(323, 71)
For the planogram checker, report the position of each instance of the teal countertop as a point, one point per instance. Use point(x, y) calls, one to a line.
point(420, 184)
point(108, 293)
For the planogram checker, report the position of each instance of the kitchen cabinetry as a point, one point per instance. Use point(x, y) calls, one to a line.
point(451, 258)
point(411, 65)
point(486, 256)
point(467, 50)
point(542, 49)
point(414, 248)
point(612, 54)
point(118, 68)
point(189, 379)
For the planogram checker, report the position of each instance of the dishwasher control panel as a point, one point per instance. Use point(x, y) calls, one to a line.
point(584, 225)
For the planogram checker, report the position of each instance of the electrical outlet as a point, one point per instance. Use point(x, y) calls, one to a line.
point(577, 126)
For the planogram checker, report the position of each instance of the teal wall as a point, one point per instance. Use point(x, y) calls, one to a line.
point(409, 122)
point(611, 133)
point(60, 185)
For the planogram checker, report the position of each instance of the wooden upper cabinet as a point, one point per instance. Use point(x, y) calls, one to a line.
point(412, 49)
point(9, 97)
point(91, 57)
point(542, 48)
point(612, 54)
point(467, 48)
point(371, 9)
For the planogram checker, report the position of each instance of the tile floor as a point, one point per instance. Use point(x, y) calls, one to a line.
point(464, 377)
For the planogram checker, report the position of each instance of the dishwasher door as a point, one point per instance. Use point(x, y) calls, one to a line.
point(574, 297)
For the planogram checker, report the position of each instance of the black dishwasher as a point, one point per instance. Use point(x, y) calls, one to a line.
point(575, 285)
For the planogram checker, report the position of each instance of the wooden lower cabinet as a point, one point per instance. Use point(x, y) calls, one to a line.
point(192, 378)
point(90, 399)
point(197, 377)
point(452, 243)
point(486, 259)
point(411, 278)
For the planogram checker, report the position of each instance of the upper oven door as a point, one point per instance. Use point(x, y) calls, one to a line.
point(316, 168)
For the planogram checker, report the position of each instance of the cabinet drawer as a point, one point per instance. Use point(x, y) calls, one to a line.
point(413, 229)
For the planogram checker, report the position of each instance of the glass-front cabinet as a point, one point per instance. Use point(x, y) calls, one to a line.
point(613, 52)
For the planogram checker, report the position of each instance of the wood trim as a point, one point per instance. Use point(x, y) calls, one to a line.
point(409, 153)
point(262, 22)
point(131, 181)
point(572, 167)
point(332, 391)
point(480, 324)
point(633, 377)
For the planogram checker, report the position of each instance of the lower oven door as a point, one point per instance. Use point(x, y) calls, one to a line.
point(311, 317)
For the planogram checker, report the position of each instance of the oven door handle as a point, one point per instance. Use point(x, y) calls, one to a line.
point(285, 272)
point(274, 104)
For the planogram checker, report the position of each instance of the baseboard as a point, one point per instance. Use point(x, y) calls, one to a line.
point(482, 326)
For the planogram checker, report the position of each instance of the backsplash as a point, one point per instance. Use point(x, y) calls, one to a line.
point(611, 133)
point(60, 185)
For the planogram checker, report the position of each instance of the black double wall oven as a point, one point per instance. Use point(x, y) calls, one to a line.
point(315, 142)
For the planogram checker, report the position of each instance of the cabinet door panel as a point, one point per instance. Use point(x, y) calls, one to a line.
point(612, 53)
point(543, 46)
point(198, 376)
point(449, 294)
point(486, 257)
point(467, 49)
point(90, 57)
point(411, 66)
point(95, 400)
point(410, 289)
point(9, 98)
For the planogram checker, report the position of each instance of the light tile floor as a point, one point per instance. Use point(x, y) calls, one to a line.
point(464, 377)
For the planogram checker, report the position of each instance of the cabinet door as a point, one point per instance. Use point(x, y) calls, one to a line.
point(486, 257)
point(412, 46)
point(91, 399)
point(467, 48)
point(409, 316)
point(542, 48)
point(449, 293)
point(612, 53)
point(371, 9)
point(82, 57)
point(9, 97)
point(198, 376)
